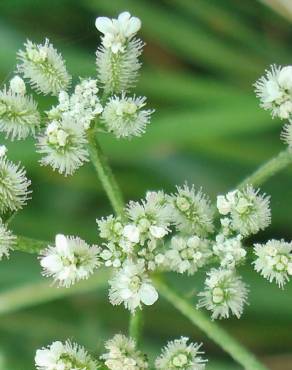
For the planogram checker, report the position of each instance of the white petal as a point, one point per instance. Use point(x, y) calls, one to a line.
point(126, 293)
point(223, 205)
point(158, 232)
point(285, 77)
point(124, 17)
point(52, 263)
point(61, 243)
point(104, 25)
point(148, 294)
point(133, 26)
point(132, 233)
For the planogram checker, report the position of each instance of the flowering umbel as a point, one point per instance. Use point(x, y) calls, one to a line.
point(64, 356)
point(43, 67)
point(19, 116)
point(179, 354)
point(274, 261)
point(70, 260)
point(14, 185)
point(122, 354)
point(117, 59)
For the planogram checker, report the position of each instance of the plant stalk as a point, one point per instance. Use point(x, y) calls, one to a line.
point(136, 326)
point(268, 169)
point(210, 328)
point(105, 174)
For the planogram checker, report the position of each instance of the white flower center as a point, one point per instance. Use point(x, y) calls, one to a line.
point(183, 203)
point(180, 360)
point(218, 295)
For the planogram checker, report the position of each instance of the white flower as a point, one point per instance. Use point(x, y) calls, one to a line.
point(229, 250)
point(274, 261)
point(124, 116)
point(249, 211)
point(63, 145)
point(275, 91)
point(187, 254)
point(19, 116)
point(44, 67)
point(70, 260)
point(112, 255)
point(178, 354)
point(7, 240)
point(131, 286)
point(225, 203)
point(151, 218)
point(110, 228)
point(191, 211)
point(224, 293)
point(122, 354)
point(117, 31)
point(14, 186)
point(64, 356)
point(17, 85)
point(158, 232)
point(83, 106)
point(132, 233)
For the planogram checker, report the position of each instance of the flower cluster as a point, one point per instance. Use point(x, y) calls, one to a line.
point(274, 260)
point(224, 292)
point(121, 353)
point(153, 236)
point(43, 67)
point(178, 354)
point(100, 104)
point(14, 192)
point(14, 186)
point(83, 106)
point(19, 116)
point(64, 356)
point(176, 233)
point(124, 116)
point(275, 93)
point(247, 212)
point(117, 58)
point(69, 260)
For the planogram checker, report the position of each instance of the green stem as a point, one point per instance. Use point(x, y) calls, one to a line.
point(105, 174)
point(42, 291)
point(211, 329)
point(135, 326)
point(268, 169)
point(29, 245)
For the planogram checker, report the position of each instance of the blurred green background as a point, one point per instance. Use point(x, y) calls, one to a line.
point(200, 62)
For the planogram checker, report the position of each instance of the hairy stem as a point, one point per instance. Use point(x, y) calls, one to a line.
point(268, 169)
point(105, 174)
point(211, 329)
point(135, 326)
